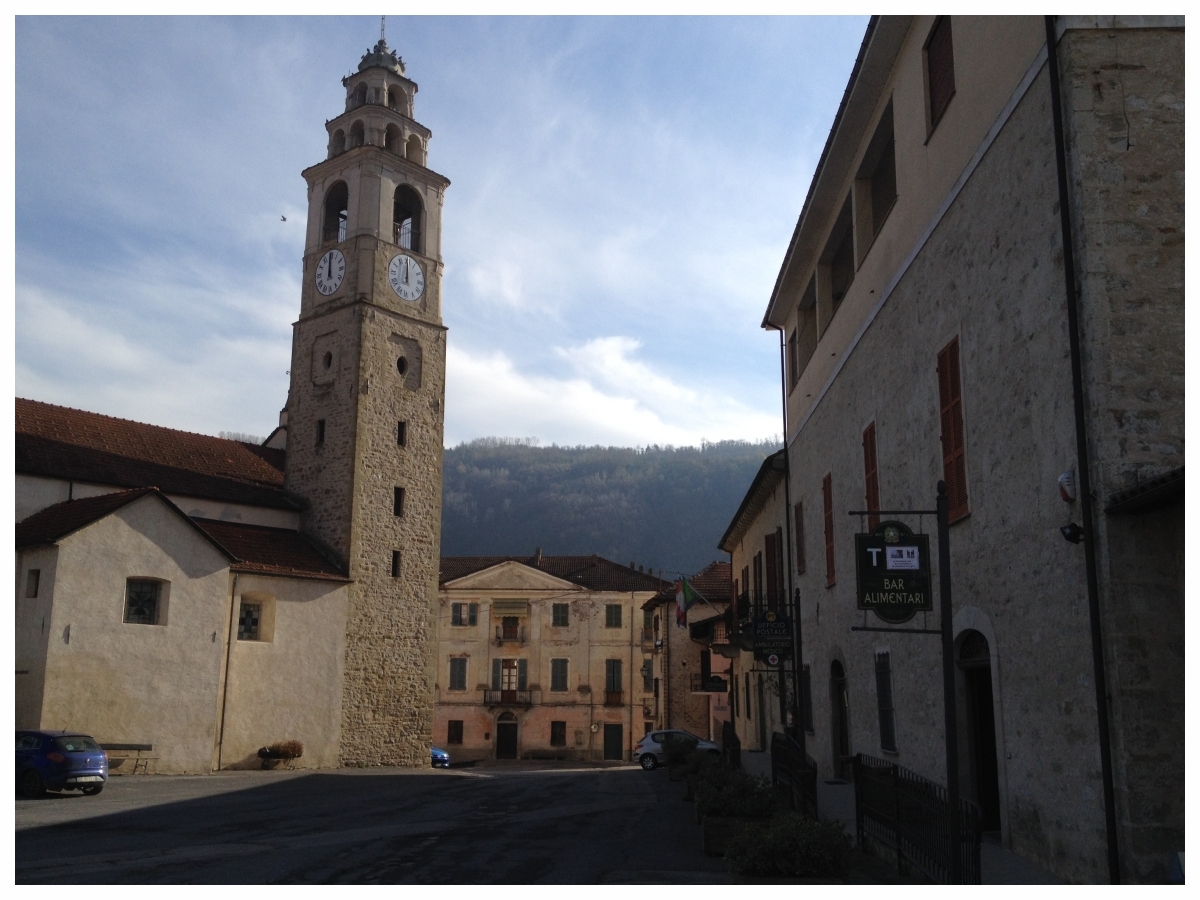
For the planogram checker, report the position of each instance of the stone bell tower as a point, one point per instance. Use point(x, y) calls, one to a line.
point(365, 408)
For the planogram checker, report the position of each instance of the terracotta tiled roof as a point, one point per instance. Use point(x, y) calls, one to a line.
point(58, 442)
point(56, 522)
point(714, 582)
point(271, 551)
point(592, 572)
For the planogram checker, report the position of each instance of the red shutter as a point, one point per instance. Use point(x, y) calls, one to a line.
point(872, 469)
point(780, 561)
point(954, 459)
point(799, 517)
point(827, 490)
point(772, 569)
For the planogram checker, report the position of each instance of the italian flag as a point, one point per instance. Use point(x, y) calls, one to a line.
point(686, 597)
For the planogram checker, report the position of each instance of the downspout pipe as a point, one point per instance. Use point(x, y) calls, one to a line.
point(793, 594)
point(1081, 449)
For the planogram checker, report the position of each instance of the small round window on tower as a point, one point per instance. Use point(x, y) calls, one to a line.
point(401, 365)
point(327, 359)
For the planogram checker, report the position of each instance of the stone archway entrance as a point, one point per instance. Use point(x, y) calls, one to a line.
point(506, 736)
point(975, 662)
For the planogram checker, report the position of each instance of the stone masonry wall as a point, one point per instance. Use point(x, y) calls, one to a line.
point(1124, 105)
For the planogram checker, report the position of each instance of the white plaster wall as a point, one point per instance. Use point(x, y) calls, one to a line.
point(289, 687)
point(138, 683)
point(32, 632)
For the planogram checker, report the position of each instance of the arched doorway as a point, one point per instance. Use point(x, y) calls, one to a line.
point(840, 724)
point(506, 736)
point(983, 781)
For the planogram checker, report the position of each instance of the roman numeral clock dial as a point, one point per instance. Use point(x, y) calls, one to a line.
point(330, 271)
point(406, 277)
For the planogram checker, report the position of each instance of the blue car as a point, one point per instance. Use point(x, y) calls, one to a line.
point(59, 761)
point(439, 759)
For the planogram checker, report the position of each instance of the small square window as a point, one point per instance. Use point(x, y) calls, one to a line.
point(558, 734)
point(32, 582)
point(454, 731)
point(249, 621)
point(612, 615)
point(401, 435)
point(561, 615)
point(458, 674)
point(141, 602)
point(398, 501)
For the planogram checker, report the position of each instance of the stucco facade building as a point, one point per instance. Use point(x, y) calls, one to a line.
point(926, 309)
point(208, 596)
point(542, 657)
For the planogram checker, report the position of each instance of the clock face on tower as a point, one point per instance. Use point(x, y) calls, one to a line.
point(406, 277)
point(330, 271)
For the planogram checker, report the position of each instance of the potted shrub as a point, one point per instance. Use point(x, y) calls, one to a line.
point(788, 846)
point(285, 751)
point(677, 748)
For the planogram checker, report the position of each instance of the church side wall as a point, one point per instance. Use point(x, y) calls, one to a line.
point(128, 683)
point(288, 684)
point(32, 631)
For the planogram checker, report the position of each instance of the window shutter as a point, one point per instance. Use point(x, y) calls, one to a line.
point(772, 581)
point(798, 514)
point(872, 470)
point(954, 459)
point(827, 492)
point(495, 674)
point(939, 62)
point(780, 575)
point(473, 614)
point(522, 673)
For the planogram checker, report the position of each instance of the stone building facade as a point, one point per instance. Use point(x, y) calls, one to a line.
point(925, 322)
point(365, 408)
point(542, 657)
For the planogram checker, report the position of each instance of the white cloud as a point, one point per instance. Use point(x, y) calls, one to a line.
point(611, 399)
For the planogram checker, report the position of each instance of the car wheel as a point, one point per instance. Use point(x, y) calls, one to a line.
point(93, 789)
point(648, 761)
point(31, 785)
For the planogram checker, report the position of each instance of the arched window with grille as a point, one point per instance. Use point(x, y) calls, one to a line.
point(337, 202)
point(406, 219)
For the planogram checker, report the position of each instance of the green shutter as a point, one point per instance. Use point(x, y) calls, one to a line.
point(495, 674)
point(522, 672)
point(473, 614)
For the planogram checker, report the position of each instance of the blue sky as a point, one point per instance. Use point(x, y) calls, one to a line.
point(623, 190)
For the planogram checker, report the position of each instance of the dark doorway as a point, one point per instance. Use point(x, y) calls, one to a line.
point(975, 660)
point(840, 725)
point(506, 737)
point(614, 742)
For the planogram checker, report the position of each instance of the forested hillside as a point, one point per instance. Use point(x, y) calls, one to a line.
point(662, 507)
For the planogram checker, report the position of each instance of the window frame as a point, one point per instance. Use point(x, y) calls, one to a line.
point(560, 666)
point(555, 608)
point(161, 589)
point(613, 615)
point(458, 663)
point(933, 115)
point(457, 617)
point(454, 731)
point(33, 583)
point(244, 607)
point(953, 427)
point(558, 733)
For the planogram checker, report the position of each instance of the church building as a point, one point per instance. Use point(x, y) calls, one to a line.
point(199, 597)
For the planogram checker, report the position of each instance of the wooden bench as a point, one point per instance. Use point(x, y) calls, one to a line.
point(141, 754)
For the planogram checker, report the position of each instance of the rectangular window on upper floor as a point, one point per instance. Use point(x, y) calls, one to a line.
point(939, 70)
point(33, 580)
point(806, 329)
point(398, 501)
point(793, 359)
point(401, 433)
point(875, 183)
point(837, 263)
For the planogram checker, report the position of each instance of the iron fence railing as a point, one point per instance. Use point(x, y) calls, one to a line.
point(614, 698)
point(731, 746)
point(792, 767)
point(510, 634)
point(713, 684)
point(911, 815)
point(508, 698)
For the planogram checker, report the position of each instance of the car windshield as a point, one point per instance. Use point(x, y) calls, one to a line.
point(75, 743)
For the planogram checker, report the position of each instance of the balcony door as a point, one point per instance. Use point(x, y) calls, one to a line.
point(508, 682)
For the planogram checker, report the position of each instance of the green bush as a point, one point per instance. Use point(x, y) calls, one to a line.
point(789, 845)
point(677, 748)
point(734, 794)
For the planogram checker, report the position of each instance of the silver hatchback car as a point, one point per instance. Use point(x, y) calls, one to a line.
point(649, 750)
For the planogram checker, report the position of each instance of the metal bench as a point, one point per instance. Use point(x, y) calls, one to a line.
point(141, 754)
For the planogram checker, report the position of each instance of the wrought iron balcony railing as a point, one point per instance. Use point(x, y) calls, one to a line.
point(614, 698)
point(510, 635)
point(508, 698)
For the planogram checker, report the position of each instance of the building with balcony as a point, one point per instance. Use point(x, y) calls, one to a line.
point(542, 657)
point(691, 677)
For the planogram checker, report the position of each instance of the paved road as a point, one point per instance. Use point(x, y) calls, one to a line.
point(515, 823)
